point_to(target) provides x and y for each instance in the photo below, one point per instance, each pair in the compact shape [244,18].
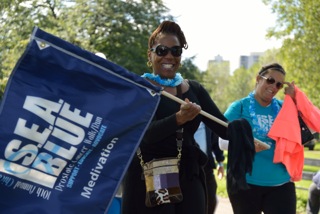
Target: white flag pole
[261,145]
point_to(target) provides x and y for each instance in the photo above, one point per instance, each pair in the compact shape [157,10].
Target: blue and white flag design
[70,123]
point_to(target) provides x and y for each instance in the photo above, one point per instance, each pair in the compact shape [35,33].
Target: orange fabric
[286,132]
[310,113]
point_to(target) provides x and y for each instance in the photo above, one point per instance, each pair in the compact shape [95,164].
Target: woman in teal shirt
[271,190]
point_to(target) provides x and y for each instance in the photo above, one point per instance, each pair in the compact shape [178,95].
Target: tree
[298,24]
[189,71]
[241,83]
[216,81]
[120,29]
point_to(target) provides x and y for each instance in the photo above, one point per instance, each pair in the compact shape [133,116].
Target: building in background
[218,66]
[215,80]
[248,61]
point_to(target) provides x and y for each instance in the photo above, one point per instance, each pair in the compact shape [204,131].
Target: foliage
[216,80]
[118,28]
[298,25]
[189,71]
[240,84]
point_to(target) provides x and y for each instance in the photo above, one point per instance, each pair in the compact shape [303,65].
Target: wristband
[220,164]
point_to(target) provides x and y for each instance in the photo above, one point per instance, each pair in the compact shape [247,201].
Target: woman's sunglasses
[271,80]
[162,50]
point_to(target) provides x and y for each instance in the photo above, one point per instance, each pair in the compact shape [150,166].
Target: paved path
[224,206]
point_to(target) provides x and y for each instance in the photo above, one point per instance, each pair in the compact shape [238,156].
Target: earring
[149,64]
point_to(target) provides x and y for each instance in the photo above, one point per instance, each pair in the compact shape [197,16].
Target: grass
[302,195]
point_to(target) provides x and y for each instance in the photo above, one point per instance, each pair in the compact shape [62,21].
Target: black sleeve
[161,129]
[218,153]
[208,105]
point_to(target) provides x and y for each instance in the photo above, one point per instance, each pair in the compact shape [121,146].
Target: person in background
[313,203]
[208,142]
[164,58]
[270,188]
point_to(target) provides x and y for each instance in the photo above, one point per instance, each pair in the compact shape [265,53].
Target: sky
[228,28]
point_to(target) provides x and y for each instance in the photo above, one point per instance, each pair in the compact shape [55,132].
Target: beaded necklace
[261,129]
[177,80]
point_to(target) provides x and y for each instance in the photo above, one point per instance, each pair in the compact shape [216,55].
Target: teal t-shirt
[264,171]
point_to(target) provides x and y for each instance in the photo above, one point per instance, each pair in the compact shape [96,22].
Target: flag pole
[261,144]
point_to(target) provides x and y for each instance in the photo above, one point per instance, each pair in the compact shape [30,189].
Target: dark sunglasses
[162,50]
[271,80]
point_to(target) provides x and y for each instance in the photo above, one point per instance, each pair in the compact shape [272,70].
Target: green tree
[298,25]
[241,83]
[189,71]
[120,29]
[216,81]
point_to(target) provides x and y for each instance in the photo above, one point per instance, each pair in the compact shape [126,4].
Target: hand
[220,172]
[260,146]
[188,111]
[290,90]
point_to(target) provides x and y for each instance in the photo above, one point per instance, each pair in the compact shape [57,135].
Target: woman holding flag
[160,141]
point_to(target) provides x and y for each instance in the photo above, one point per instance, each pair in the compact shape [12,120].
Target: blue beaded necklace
[177,80]
[261,129]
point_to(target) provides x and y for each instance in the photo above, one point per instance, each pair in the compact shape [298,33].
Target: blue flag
[70,123]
